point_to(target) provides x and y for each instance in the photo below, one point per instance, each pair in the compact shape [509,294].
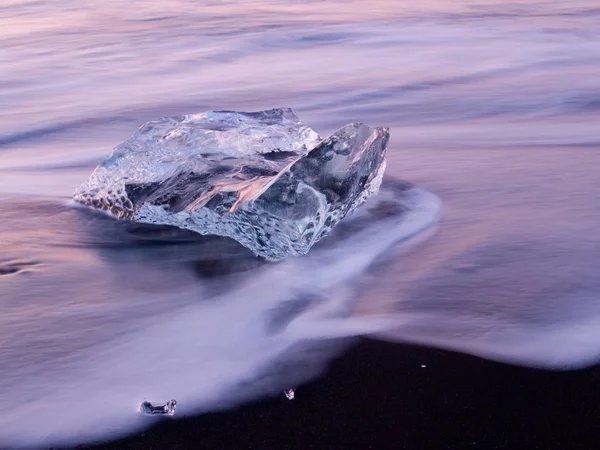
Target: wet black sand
[378,396]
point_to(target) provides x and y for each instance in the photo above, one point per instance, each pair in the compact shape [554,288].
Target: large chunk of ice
[262,178]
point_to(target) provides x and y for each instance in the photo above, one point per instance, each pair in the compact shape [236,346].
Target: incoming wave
[251,334]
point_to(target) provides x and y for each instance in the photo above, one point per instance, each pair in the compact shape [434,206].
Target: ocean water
[493,109]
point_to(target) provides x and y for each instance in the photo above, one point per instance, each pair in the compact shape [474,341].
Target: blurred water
[492,105]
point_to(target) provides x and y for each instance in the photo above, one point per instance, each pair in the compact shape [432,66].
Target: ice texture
[168,409]
[290,394]
[262,178]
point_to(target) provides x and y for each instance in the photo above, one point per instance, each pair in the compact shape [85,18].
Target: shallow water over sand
[492,106]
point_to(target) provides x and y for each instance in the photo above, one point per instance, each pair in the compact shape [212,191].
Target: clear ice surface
[168,409]
[262,178]
[290,394]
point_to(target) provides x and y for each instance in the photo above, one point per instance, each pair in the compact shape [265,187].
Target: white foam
[212,354]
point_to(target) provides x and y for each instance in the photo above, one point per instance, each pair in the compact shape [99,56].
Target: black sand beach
[381,395]
[493,109]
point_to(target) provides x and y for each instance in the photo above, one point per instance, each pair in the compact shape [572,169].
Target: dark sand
[378,396]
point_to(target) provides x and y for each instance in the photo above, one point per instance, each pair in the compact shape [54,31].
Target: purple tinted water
[493,106]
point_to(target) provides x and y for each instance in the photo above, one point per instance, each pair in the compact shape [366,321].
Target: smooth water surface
[493,106]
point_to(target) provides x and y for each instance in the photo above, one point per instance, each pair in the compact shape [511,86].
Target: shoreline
[378,395]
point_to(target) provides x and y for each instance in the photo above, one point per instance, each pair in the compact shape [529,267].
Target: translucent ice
[262,178]
[168,409]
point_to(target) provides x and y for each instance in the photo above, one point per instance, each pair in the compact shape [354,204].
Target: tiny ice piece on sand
[167,409]
[290,394]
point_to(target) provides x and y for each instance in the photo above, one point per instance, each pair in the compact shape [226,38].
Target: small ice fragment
[168,409]
[290,394]
[423,366]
